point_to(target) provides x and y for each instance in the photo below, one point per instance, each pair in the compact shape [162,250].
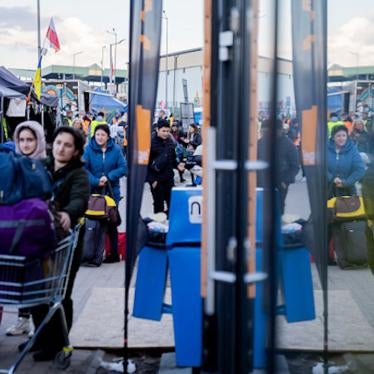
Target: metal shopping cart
[25,283]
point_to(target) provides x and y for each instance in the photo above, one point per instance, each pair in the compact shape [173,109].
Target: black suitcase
[94,242]
[350,244]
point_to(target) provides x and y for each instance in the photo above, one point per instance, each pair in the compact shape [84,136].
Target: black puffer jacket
[162,160]
[287,158]
[71,189]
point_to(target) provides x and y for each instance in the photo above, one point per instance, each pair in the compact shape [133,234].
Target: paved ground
[359,283]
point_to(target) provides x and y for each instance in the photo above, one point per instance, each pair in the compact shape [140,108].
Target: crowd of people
[78,165]
[88,155]
[69,197]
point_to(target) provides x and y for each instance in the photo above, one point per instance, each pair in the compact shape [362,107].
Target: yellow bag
[346,208]
[101,207]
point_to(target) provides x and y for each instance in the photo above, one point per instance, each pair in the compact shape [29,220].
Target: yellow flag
[37,83]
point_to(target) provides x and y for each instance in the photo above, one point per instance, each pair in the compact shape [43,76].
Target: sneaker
[23,326]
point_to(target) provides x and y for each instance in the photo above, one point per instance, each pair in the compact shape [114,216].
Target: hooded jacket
[37,128]
[346,164]
[110,163]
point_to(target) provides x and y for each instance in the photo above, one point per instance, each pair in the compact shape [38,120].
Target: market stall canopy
[9,80]
[105,102]
[9,93]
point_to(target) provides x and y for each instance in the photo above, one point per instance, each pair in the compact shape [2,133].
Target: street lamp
[165,17]
[75,54]
[102,65]
[115,58]
[175,69]
[357,54]
[114,32]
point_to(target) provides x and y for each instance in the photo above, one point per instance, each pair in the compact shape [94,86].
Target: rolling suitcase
[350,244]
[94,242]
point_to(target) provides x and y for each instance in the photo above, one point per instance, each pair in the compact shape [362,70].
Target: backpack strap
[21,224]
[17,236]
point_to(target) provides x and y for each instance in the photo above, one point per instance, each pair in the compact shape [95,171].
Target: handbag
[103,207]
[347,208]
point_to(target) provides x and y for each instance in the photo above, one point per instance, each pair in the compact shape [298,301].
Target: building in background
[181,75]
[180,82]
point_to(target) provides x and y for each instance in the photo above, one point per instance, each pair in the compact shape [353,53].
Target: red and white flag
[52,36]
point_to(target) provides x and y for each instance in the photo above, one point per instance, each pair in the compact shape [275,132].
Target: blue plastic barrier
[182,256]
[184,262]
[260,317]
[295,280]
[184,265]
[297,285]
[185,216]
[150,283]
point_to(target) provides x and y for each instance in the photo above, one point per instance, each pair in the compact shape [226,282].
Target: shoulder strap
[17,235]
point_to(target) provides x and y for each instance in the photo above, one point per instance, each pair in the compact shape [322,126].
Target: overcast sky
[82,26]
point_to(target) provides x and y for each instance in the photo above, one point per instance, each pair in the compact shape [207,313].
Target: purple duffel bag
[26,229]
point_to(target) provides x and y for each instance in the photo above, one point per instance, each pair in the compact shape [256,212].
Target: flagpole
[39,39]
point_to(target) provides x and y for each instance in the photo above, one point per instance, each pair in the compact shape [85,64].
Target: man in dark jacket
[70,195]
[162,161]
[287,165]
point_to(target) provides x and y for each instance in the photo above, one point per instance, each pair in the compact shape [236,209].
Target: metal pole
[175,69]
[102,66]
[167,55]
[42,116]
[73,65]
[356,54]
[75,54]
[115,60]
[39,39]
[167,58]
[111,64]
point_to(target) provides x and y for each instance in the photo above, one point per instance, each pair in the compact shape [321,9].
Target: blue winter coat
[346,164]
[110,163]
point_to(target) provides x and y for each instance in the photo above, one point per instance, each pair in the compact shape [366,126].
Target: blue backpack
[22,178]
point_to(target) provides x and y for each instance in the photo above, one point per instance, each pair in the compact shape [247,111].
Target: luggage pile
[348,244]
[101,211]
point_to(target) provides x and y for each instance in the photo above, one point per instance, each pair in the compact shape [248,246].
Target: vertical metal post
[111,64]
[42,115]
[75,54]
[175,70]
[102,66]
[39,39]
[166,57]
[115,60]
